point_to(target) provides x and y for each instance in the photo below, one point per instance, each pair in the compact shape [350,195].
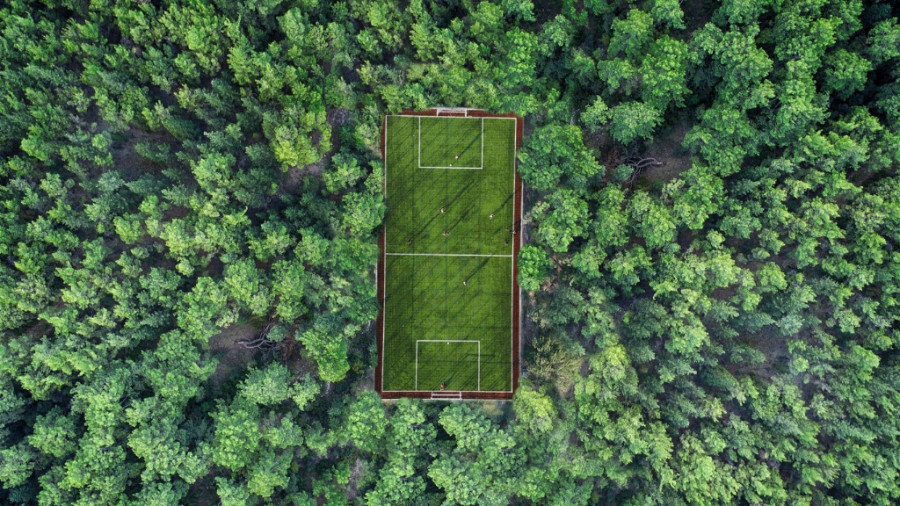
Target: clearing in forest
[447,282]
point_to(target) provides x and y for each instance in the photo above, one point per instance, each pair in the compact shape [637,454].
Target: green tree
[534,267]
[269,473]
[663,75]
[884,40]
[631,34]
[236,436]
[561,219]
[366,422]
[326,344]
[846,73]
[231,493]
[596,115]
[534,410]
[557,155]
[53,433]
[344,171]
[632,121]
[482,467]
[268,386]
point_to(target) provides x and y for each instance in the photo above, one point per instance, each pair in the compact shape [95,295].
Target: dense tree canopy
[190,200]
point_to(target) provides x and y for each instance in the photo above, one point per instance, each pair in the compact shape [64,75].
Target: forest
[190,205]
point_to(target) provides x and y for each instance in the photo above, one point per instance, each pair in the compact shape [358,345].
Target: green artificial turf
[449,304]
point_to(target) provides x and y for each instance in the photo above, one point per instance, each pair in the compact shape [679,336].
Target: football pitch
[449,245]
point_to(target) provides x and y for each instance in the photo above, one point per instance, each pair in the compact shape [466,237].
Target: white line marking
[442,255]
[445,117]
[512,275]
[462,391]
[384,259]
[446,341]
[451,167]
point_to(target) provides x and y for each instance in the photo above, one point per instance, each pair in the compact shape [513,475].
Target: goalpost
[454,110]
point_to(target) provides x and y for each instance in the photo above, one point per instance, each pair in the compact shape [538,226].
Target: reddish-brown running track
[517,244]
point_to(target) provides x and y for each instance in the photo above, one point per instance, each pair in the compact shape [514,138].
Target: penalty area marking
[451,167]
[448,341]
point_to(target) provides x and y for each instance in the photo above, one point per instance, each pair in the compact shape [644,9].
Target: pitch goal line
[419,161]
[447,341]
[490,118]
[445,255]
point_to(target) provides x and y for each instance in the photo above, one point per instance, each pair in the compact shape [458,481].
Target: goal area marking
[448,341]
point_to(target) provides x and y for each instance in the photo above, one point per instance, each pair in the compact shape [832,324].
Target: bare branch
[259,341]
